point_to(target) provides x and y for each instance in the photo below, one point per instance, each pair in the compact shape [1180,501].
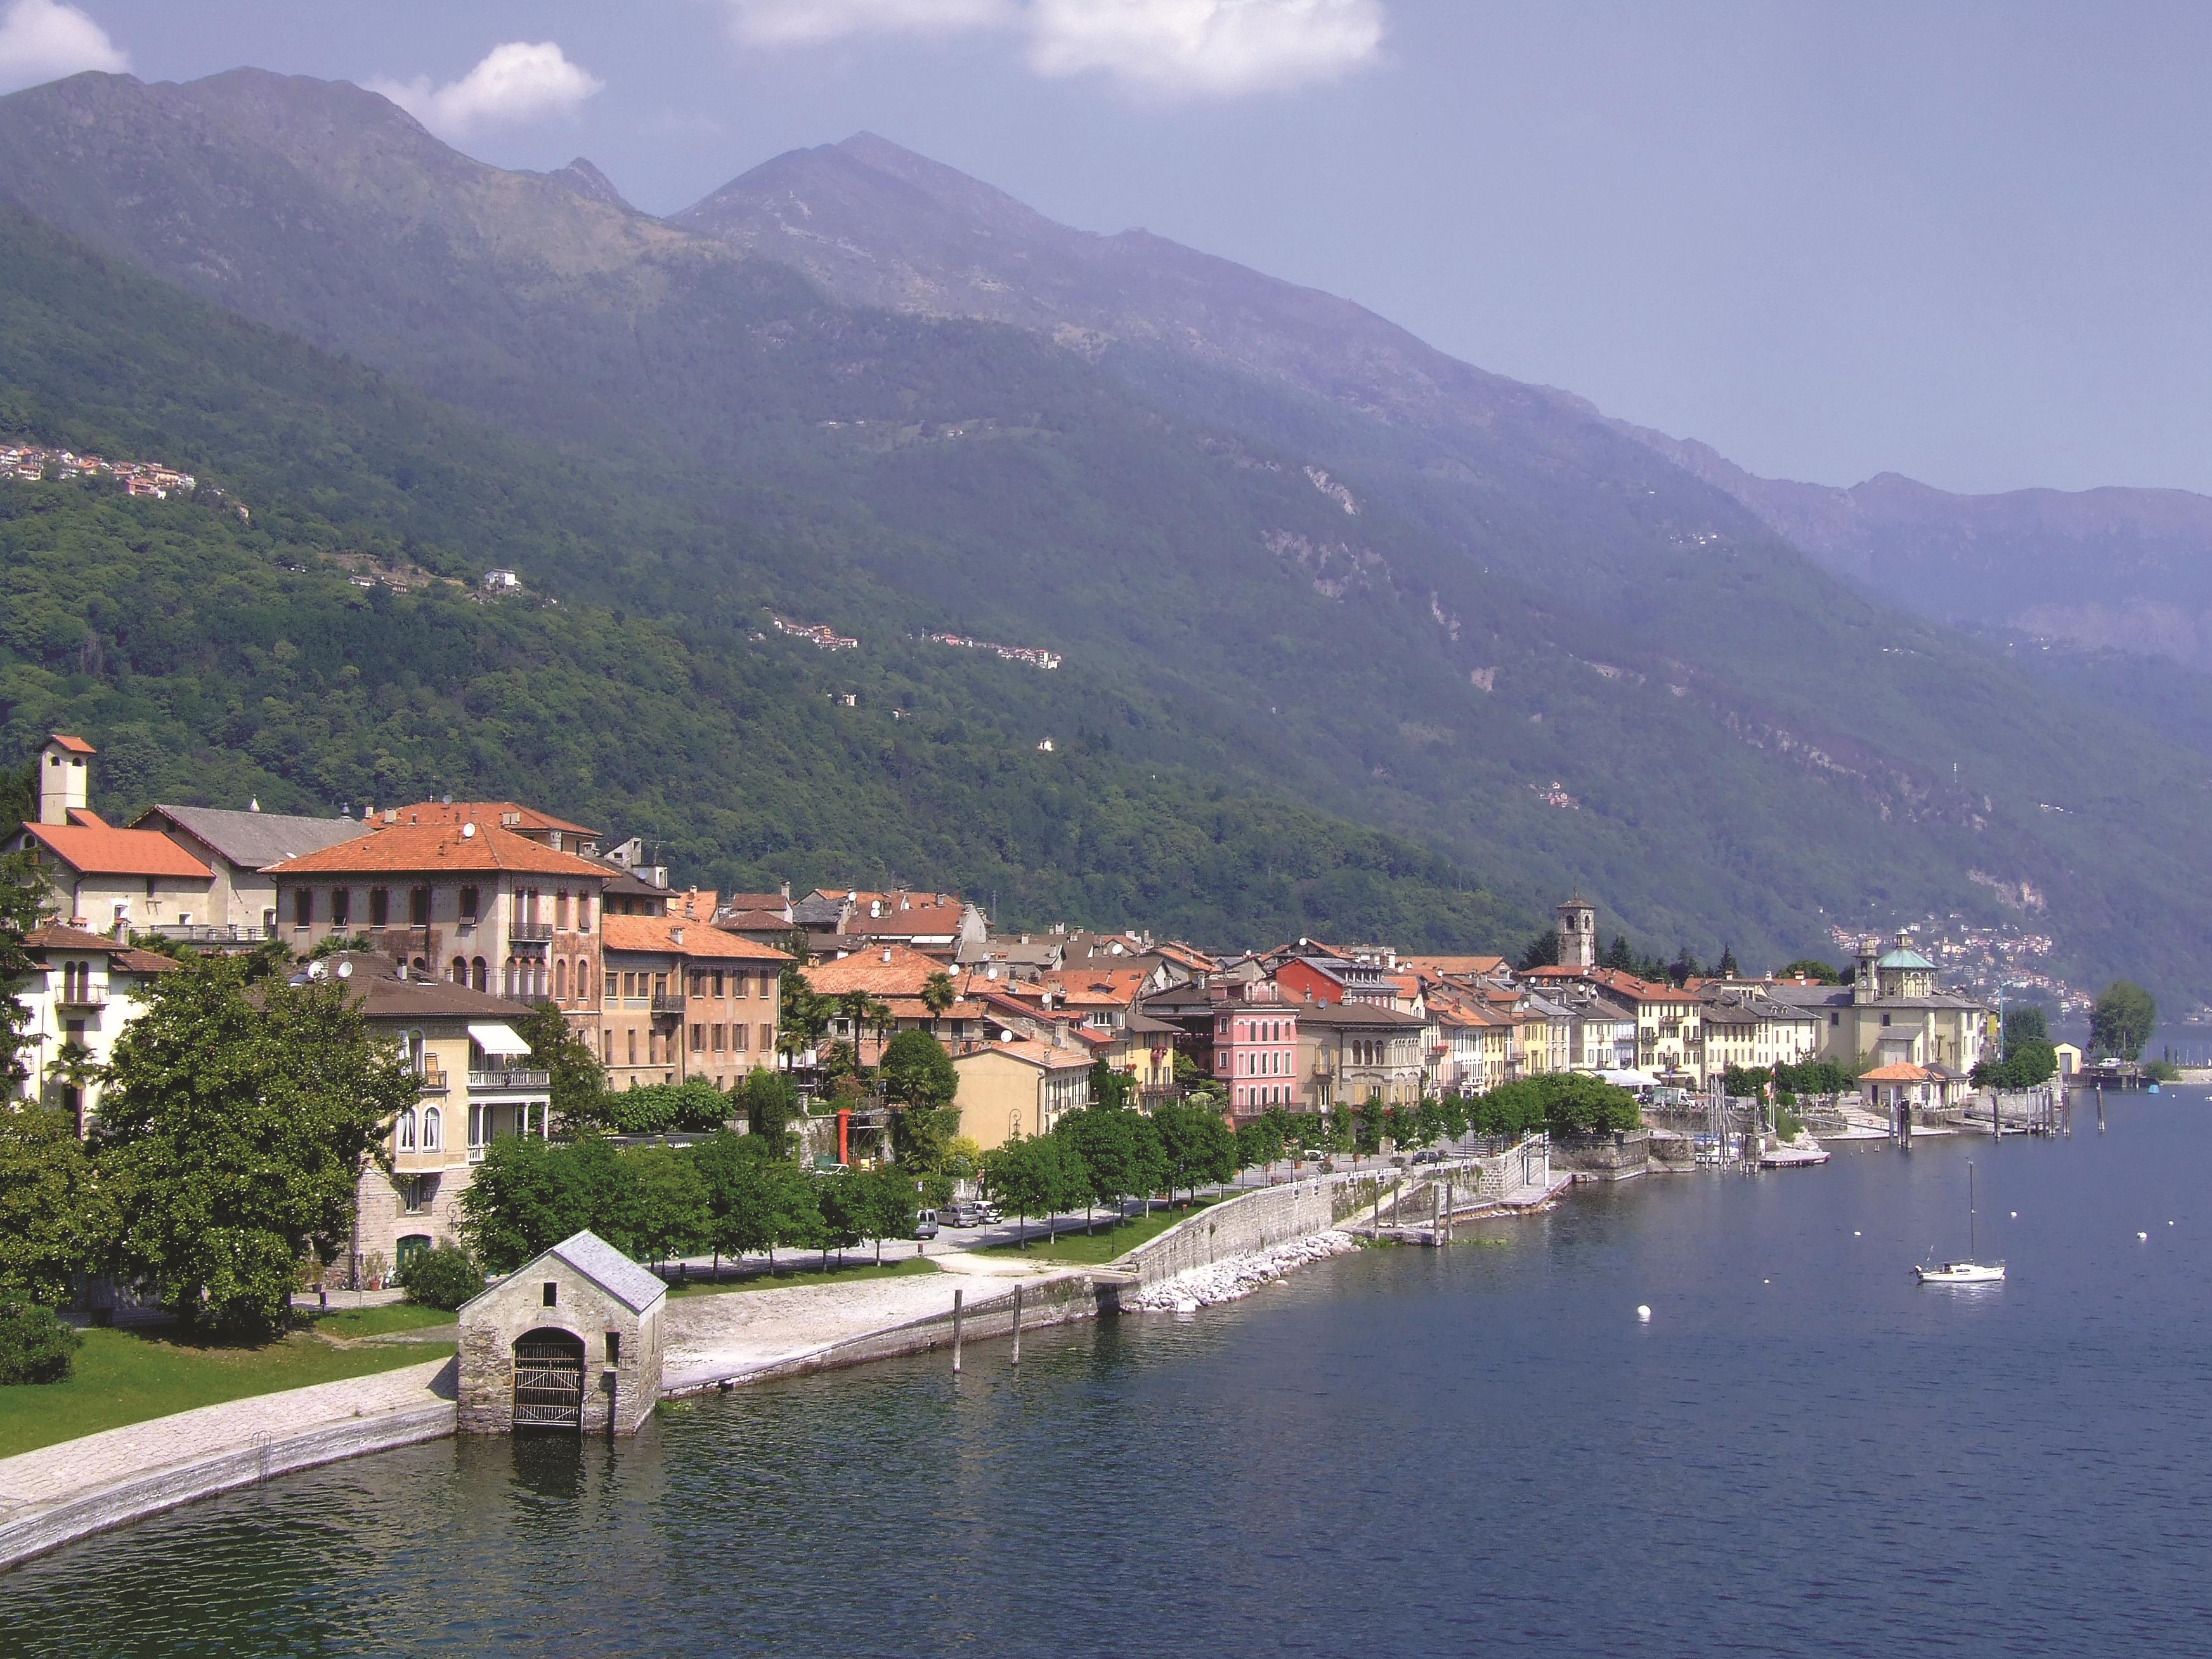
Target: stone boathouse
[571,1340]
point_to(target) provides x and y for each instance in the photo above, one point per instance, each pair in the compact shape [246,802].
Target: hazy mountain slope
[2115,568]
[1400,588]
[212,658]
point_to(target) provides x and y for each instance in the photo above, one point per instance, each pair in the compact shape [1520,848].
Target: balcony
[422,1161]
[668,1002]
[82,1002]
[433,1083]
[531,933]
[208,933]
[485,1082]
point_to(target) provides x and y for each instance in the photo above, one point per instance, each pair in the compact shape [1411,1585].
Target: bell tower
[1577,933]
[64,780]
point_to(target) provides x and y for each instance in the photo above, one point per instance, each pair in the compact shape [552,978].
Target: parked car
[1431,1155]
[925,1225]
[962,1212]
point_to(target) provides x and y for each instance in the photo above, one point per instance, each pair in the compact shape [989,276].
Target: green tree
[1809,968]
[2026,1022]
[443,1277]
[1542,951]
[578,1083]
[22,895]
[231,1137]
[1728,970]
[519,1200]
[1107,1143]
[790,1214]
[56,1219]
[804,1016]
[770,1102]
[35,1346]
[917,1071]
[1111,1089]
[672,1214]
[2121,1020]
[887,1205]
[843,1199]
[937,995]
[1036,1175]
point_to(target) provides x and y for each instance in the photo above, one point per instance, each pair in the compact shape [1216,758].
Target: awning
[499,1040]
[1631,1079]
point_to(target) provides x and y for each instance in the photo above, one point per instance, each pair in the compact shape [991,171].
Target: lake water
[1402,1451]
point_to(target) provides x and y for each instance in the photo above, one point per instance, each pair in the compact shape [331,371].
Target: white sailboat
[1969,1271]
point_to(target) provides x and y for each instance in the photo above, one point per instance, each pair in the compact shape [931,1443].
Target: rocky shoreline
[1239,1276]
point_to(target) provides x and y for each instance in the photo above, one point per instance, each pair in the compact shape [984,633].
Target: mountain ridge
[1442,603]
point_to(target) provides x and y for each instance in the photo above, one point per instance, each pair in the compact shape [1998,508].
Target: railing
[531,933]
[207,933]
[85,999]
[433,1083]
[515,1079]
[668,1002]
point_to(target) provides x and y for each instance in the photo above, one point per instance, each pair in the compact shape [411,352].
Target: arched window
[480,975]
[421,969]
[457,971]
[430,1126]
[538,979]
[407,1130]
[561,971]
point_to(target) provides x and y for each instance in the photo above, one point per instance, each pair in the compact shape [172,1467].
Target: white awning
[1631,1079]
[499,1040]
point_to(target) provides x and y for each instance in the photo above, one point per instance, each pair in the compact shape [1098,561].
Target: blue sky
[1962,241]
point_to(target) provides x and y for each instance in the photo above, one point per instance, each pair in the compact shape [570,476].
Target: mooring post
[1018,1324]
[2101,1108]
[1436,1213]
[956,1296]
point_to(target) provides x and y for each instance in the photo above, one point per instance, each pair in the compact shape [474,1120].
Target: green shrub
[35,1346]
[443,1278]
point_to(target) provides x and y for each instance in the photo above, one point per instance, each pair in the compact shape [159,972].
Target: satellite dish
[345,970]
[319,970]
[468,830]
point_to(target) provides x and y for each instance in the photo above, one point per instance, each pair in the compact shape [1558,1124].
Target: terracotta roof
[438,849]
[492,813]
[699,939]
[1035,1052]
[75,745]
[1475,965]
[1100,986]
[904,975]
[55,936]
[775,902]
[98,848]
[907,923]
[1903,1072]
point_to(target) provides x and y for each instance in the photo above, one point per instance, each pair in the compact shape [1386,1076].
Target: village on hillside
[455,922]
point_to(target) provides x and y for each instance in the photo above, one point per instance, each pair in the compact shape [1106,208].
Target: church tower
[1577,933]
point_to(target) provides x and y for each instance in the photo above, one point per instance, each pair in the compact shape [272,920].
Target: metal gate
[549,1381]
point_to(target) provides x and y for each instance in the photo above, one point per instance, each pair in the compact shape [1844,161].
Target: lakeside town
[494,943]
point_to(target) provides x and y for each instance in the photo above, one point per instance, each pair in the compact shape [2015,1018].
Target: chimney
[887,953]
[64,778]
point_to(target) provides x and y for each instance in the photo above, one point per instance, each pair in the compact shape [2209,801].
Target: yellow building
[1022,1087]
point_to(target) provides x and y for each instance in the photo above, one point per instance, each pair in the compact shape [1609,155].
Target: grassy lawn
[1096,1250]
[783,1279]
[380,1321]
[125,1377]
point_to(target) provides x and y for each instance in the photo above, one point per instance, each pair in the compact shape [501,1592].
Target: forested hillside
[214,660]
[1337,570]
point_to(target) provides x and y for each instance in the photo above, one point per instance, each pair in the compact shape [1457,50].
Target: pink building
[1255,1049]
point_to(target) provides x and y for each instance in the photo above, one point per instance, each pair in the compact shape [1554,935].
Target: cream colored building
[1023,1087]
[683,1000]
[239,849]
[101,878]
[84,991]
[474,1085]
[1893,1013]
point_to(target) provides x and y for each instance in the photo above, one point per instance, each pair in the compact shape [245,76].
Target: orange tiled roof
[494,812]
[75,745]
[1473,965]
[1035,1052]
[438,849]
[93,846]
[1099,987]
[620,932]
[1903,1072]
[866,970]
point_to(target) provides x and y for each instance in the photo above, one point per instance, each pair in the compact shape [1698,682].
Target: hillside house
[99,877]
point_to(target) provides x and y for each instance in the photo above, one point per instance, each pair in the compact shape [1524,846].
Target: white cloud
[809,23]
[43,40]
[1206,47]
[1192,47]
[517,81]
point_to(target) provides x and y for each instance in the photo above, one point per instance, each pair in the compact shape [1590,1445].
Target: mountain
[2104,569]
[1270,533]
[336,647]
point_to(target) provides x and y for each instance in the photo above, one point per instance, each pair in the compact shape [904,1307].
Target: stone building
[571,1340]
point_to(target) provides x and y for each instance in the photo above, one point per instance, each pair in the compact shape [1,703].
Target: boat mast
[1969,1209]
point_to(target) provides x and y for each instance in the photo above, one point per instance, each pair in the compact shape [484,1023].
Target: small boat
[1969,1271]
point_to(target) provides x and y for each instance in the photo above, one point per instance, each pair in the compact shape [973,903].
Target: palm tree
[938,993]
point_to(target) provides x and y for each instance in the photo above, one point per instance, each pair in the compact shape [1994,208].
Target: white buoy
[1766,1281]
[1855,1234]
[2142,1235]
[1643,1312]
[2015,1215]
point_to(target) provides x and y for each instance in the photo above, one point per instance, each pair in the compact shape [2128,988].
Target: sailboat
[1969,1271]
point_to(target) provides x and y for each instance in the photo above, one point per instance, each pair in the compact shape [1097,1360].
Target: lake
[1400,1451]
